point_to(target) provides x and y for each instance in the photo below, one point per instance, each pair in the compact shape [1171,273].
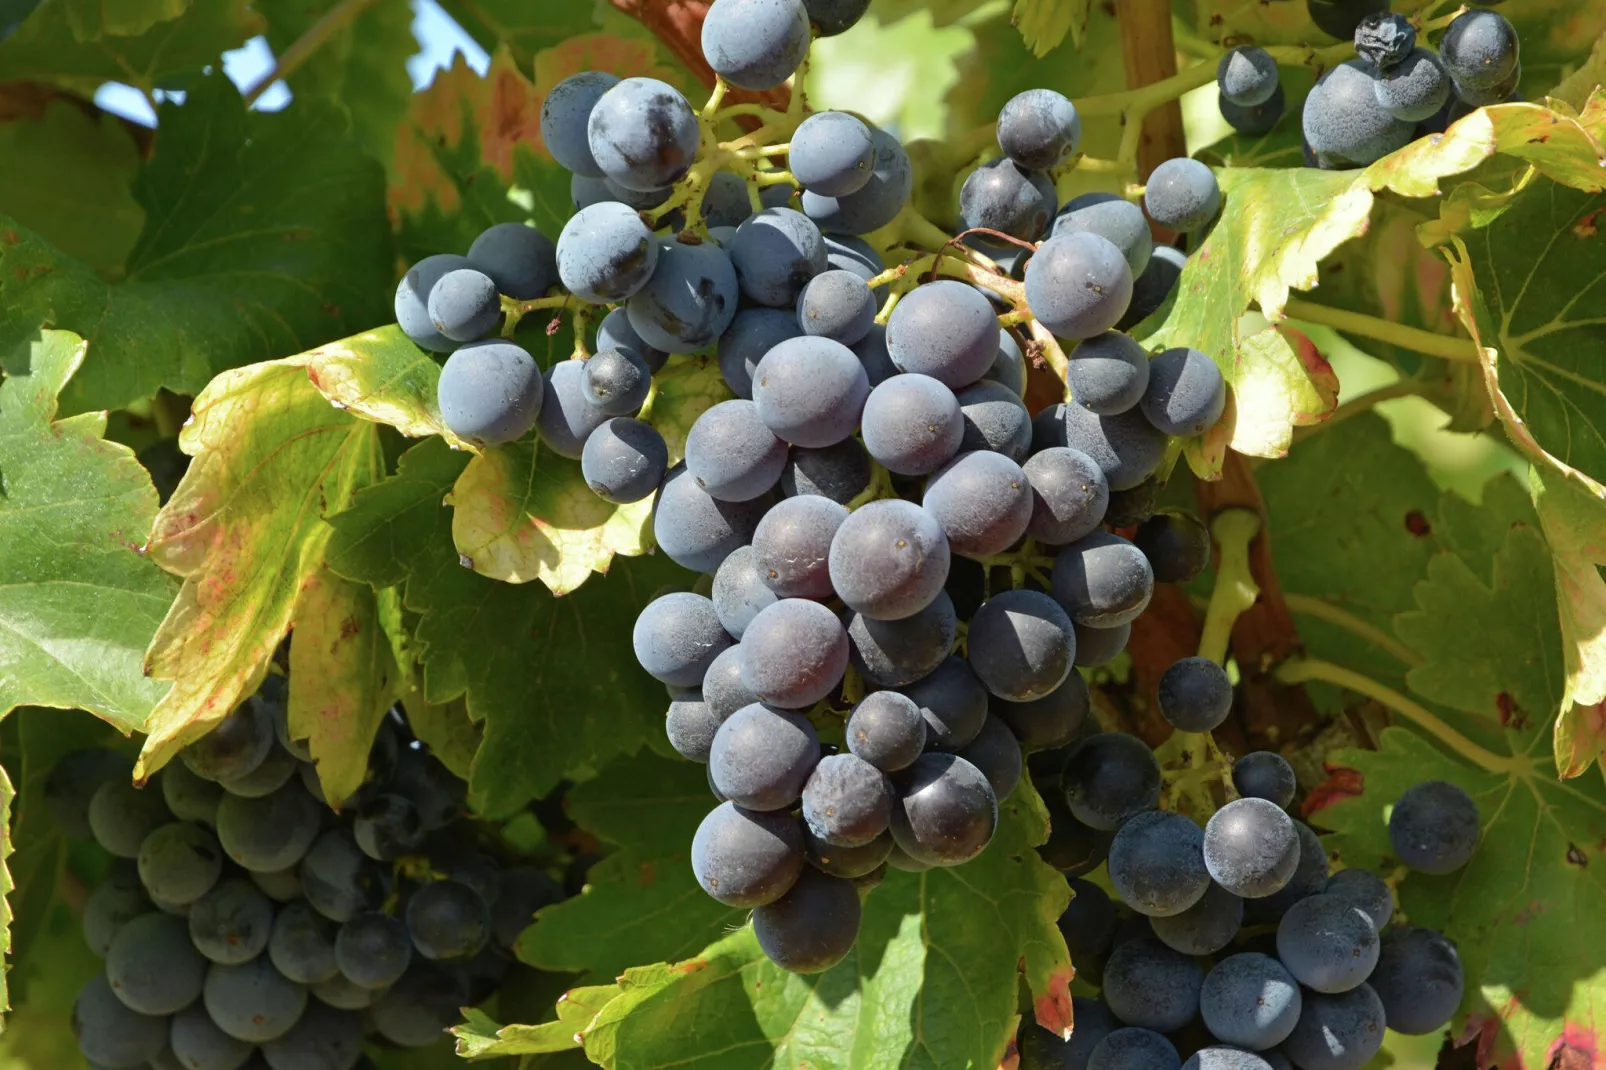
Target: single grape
[115,902]
[153,967]
[480,872]
[793,653]
[1078,284]
[1050,721]
[269,833]
[387,826]
[1151,986]
[1337,1031]
[1156,863]
[1479,49]
[1434,827]
[1108,373]
[849,253]
[121,816]
[996,420]
[232,923]
[1000,195]
[1021,645]
[953,703]
[1114,219]
[731,454]
[564,117]
[697,531]
[1073,848]
[690,300]
[810,391]
[274,772]
[1038,129]
[564,416]
[1133,1049]
[725,203]
[1247,76]
[1250,1000]
[1102,580]
[373,950]
[813,926]
[889,559]
[753,333]
[847,862]
[1327,943]
[615,332]
[776,253]
[1009,367]
[1265,775]
[946,330]
[1221,1057]
[525,890]
[833,154]
[840,472]
[1205,927]
[179,862]
[1108,778]
[1185,394]
[520,260]
[338,879]
[1069,495]
[447,920]
[873,205]
[490,392]
[1154,286]
[838,305]
[762,757]
[463,305]
[1195,695]
[340,993]
[109,1033]
[420,1007]
[1042,1050]
[1251,847]
[605,253]
[1366,892]
[677,637]
[1418,979]
[624,460]
[755,44]
[1413,89]
[196,1043]
[1133,506]
[585,191]
[739,592]
[234,746]
[1126,447]
[1384,39]
[1252,121]
[323,1039]
[73,781]
[831,17]
[887,730]
[1343,122]
[691,724]
[1182,194]
[412,308]
[997,754]
[253,1002]
[847,802]
[1088,924]
[893,653]
[945,812]
[642,134]
[1176,544]
[982,500]
[746,858]
[913,424]
[1100,646]
[301,945]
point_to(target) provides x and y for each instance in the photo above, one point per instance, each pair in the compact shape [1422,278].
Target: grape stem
[1323,610]
[1462,350]
[1304,670]
[1235,590]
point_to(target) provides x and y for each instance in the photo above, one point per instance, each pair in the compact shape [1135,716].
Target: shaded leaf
[522,28]
[93,19]
[447,732]
[1573,521]
[78,599]
[1043,24]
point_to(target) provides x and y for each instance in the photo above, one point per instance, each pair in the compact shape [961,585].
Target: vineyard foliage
[214,440]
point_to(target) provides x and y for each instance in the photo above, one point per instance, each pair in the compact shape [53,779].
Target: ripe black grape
[1418,980]
[1328,944]
[1434,827]
[847,802]
[1195,695]
[833,154]
[746,858]
[1021,645]
[447,920]
[945,812]
[762,757]
[813,926]
[1108,778]
[1149,985]
[894,653]
[1157,864]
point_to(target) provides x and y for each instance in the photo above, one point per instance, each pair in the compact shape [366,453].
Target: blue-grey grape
[606,253]
[388,826]
[837,304]
[889,559]
[115,902]
[274,772]
[833,154]
[1088,924]
[982,500]
[1102,580]
[269,833]
[776,252]
[418,1009]
[1250,1000]
[1366,892]
[953,703]
[1479,49]
[1047,722]
[677,636]
[1108,373]
[840,472]
[832,17]
[1414,89]
[253,1002]
[624,460]
[946,330]
[1133,1049]
[1384,39]
[1109,777]
[1078,284]
[1264,774]
[1251,848]
[792,546]
[323,1039]
[1151,289]
[232,923]
[1009,367]
[873,205]
[1343,122]
[1100,646]
[198,1044]
[996,753]
[519,259]
[847,802]
[121,816]
[1000,195]
[746,858]
[463,305]
[1310,876]
[755,44]
[1149,985]
[412,302]
[1326,943]
[731,454]
[697,531]
[585,191]
[1340,17]
[810,391]
[1156,863]
[739,592]
[152,965]
[813,926]
[1434,827]
[302,945]
[1255,119]
[1069,495]
[642,134]
[995,419]
[725,202]
[1247,76]
[1195,694]
[1339,1031]
[1182,194]
[564,117]
[793,653]
[691,724]
[615,332]
[1134,505]
[179,862]
[373,949]
[1418,979]
[945,811]
[447,920]
[872,353]
[690,299]
[565,417]
[851,253]
[887,730]
[1205,927]
[1113,218]
[338,879]
[1222,1057]
[893,653]
[73,781]
[490,392]
[1186,393]
[762,757]
[1176,544]
[753,333]
[109,1033]
[341,993]
[848,862]
[234,746]
[1038,129]
[912,424]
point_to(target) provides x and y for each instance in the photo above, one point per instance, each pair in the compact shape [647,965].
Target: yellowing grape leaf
[382,376]
[1574,523]
[79,601]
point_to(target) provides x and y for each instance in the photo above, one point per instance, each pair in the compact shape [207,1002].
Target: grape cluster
[1395,91]
[1236,949]
[244,924]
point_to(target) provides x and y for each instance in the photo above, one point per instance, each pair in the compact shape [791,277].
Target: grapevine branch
[1444,346]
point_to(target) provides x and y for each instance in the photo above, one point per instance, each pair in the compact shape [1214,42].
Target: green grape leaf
[51,46]
[447,731]
[479,1037]
[649,807]
[66,176]
[554,682]
[1524,912]
[522,28]
[265,234]
[93,19]
[1043,24]
[931,982]
[79,601]
[245,530]
[362,67]
[1573,521]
